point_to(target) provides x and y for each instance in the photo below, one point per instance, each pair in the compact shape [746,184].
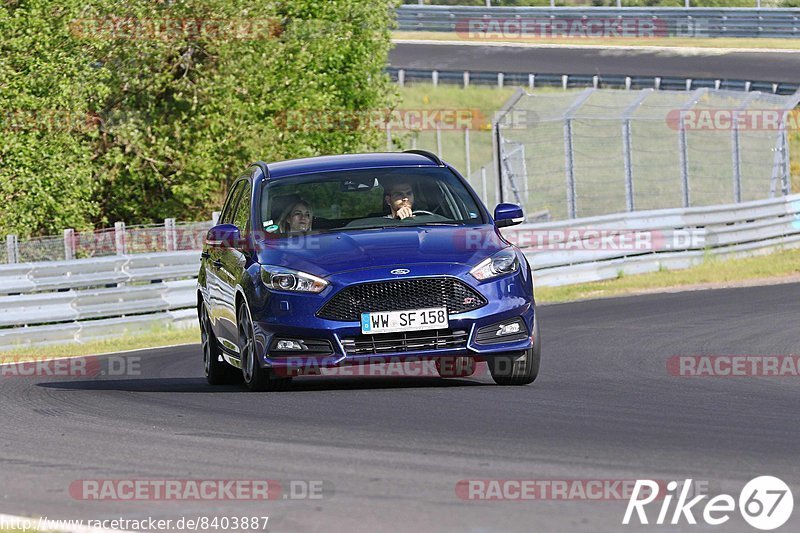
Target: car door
[218,291]
[233,261]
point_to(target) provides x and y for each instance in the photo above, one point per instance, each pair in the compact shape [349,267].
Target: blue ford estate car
[355,259]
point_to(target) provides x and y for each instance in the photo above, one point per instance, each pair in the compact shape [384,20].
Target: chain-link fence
[141,239]
[596,151]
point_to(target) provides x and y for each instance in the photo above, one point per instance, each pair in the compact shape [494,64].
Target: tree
[177,97]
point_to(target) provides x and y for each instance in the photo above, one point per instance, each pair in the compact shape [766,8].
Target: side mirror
[508,215]
[223,236]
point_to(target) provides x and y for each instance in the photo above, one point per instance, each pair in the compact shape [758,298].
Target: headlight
[284,279]
[503,262]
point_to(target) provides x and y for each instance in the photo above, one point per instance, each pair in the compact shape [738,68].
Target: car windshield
[367,199]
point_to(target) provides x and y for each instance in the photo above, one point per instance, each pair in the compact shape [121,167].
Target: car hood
[331,253]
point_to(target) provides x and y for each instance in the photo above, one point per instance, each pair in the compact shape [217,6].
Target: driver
[399,196]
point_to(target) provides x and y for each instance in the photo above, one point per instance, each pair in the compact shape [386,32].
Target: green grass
[691,42]
[712,272]
[155,337]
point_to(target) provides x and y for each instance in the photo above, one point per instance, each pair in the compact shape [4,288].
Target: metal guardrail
[573,81]
[93,299]
[669,21]
[573,251]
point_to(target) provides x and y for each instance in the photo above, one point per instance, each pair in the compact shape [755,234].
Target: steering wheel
[422,212]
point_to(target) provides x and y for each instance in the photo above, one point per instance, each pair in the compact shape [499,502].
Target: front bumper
[281,315]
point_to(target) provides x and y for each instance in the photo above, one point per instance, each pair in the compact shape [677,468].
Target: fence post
[569,153]
[215,217]
[170,235]
[684,160]
[466,153]
[735,159]
[484,190]
[12,249]
[119,237]
[466,79]
[435,78]
[682,144]
[787,182]
[401,77]
[531,81]
[626,155]
[69,244]
[569,167]
[439,140]
[500,78]
[627,159]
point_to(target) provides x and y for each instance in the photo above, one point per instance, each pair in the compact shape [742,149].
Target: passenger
[296,218]
[399,196]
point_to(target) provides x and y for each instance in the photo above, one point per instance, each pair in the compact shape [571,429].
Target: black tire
[256,378]
[217,372]
[518,368]
[455,367]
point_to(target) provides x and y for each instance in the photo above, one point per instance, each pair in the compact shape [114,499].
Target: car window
[229,208]
[360,199]
[241,218]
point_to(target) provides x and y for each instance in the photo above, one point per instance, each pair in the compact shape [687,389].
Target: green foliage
[161,118]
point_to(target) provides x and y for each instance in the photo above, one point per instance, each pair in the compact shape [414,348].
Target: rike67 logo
[765,503]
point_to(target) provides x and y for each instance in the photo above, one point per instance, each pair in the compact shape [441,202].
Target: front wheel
[518,368]
[255,377]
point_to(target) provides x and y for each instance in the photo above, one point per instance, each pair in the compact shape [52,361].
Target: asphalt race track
[705,63]
[391,450]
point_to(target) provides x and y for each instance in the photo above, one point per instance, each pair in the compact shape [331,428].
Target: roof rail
[264,168]
[430,155]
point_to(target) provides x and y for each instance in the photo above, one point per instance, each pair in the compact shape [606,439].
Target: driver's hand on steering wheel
[404,212]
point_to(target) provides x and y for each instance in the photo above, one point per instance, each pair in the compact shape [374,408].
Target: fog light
[508,329]
[289,345]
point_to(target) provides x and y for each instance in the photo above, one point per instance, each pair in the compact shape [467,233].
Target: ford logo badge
[399,271]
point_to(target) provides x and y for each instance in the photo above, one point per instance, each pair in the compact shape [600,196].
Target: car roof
[330,163]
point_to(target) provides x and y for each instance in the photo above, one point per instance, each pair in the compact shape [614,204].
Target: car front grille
[439,339]
[401,295]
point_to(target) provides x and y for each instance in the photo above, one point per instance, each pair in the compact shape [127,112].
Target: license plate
[396,321]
